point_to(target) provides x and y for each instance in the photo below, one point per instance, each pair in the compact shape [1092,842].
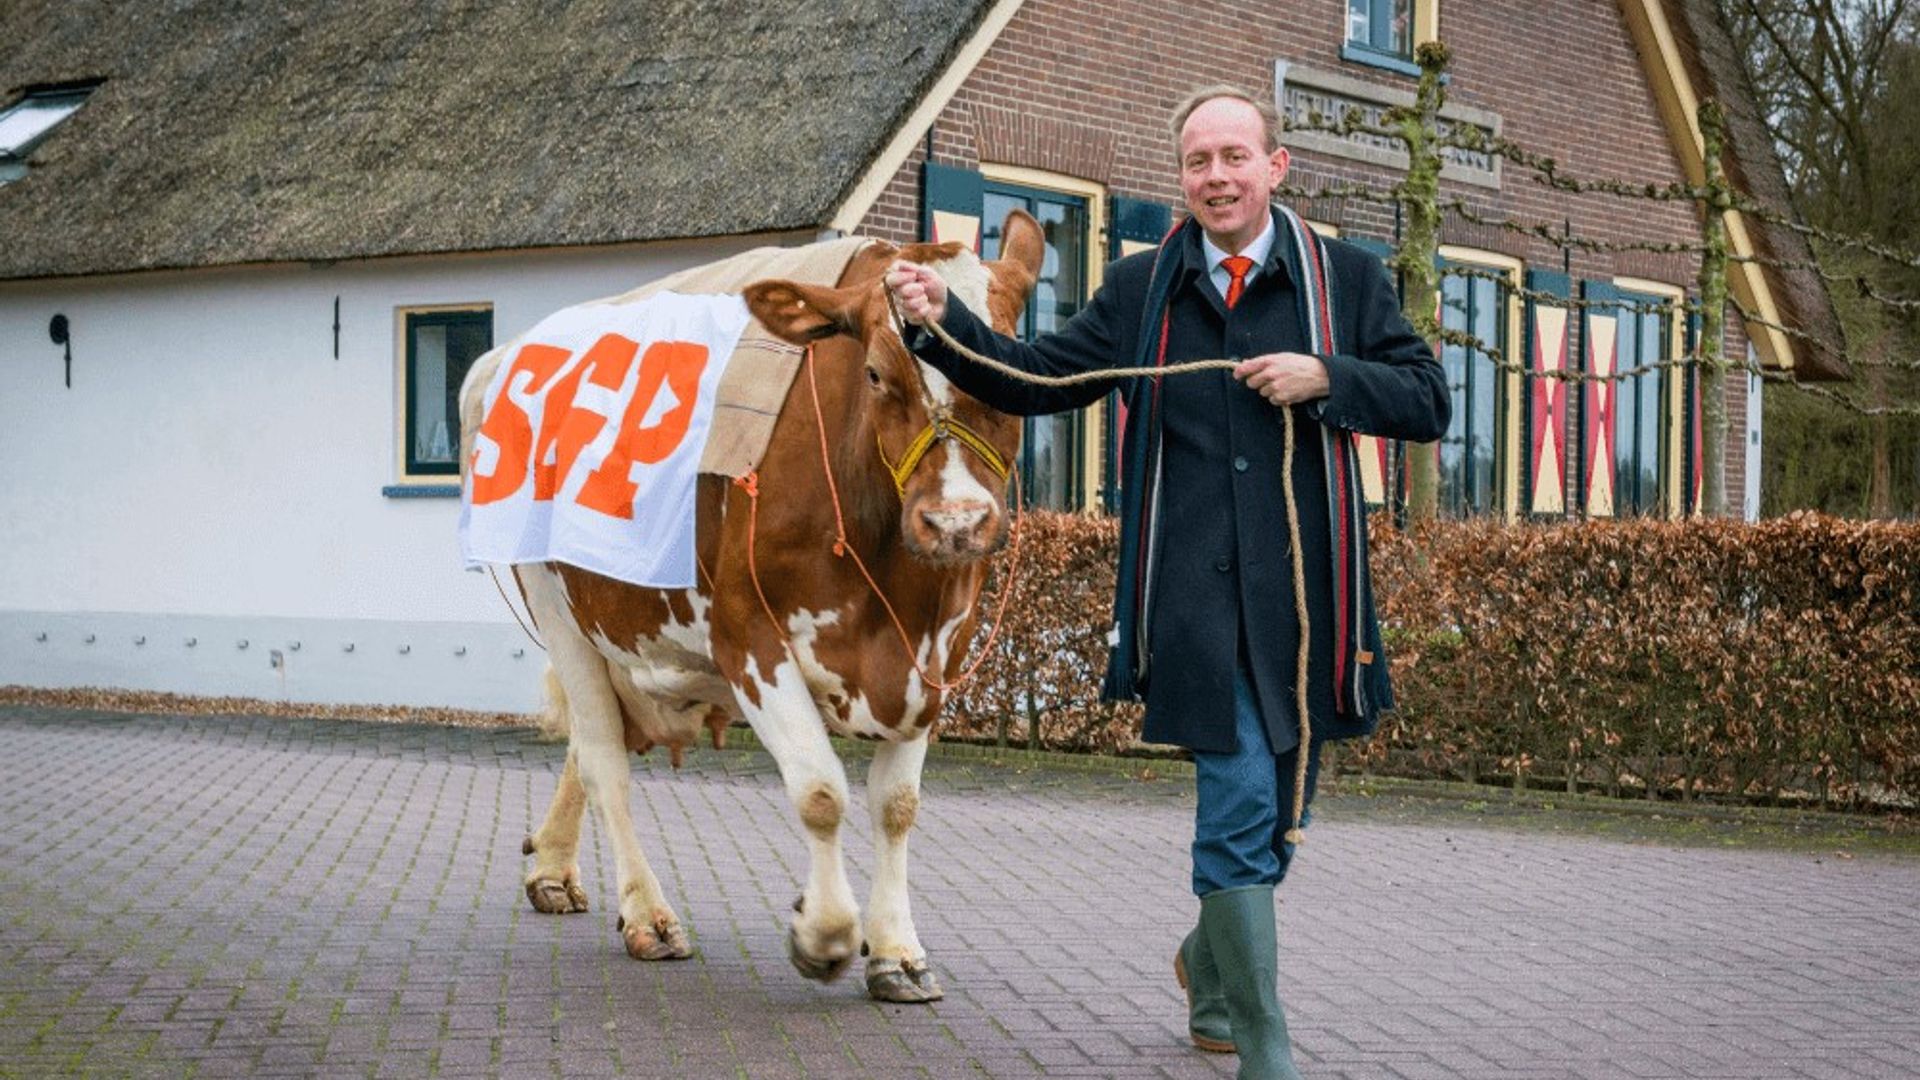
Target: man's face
[1226,173]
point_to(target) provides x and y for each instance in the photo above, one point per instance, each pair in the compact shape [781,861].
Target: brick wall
[1086,89]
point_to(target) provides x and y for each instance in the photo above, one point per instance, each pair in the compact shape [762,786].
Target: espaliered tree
[1419,197]
[1715,201]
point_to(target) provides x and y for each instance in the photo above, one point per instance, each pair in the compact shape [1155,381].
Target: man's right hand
[921,293]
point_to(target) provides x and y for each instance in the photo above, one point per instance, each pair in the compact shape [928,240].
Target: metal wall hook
[61,334]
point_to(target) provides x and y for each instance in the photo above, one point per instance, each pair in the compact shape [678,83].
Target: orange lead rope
[750,483]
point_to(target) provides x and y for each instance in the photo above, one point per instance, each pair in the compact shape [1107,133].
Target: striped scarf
[1140,533]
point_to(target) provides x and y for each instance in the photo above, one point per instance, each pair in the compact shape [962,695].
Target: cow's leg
[647,923]
[554,882]
[825,935]
[896,965]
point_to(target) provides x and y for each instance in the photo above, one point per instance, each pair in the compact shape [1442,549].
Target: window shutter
[1543,423]
[951,201]
[1379,249]
[1376,454]
[1692,471]
[1137,225]
[1599,355]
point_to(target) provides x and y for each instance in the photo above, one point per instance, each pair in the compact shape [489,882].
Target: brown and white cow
[635,667]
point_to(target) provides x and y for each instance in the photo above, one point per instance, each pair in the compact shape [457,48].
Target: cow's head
[941,452]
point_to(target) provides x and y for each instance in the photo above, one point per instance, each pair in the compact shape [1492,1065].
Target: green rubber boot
[1206,1005]
[1239,927]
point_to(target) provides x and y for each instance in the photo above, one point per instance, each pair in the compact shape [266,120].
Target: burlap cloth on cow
[763,366]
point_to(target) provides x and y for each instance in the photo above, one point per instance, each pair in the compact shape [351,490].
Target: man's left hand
[1285,378]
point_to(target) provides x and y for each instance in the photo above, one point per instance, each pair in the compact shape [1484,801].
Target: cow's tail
[473,402]
[553,715]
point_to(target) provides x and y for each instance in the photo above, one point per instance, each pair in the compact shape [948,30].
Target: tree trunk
[1419,248]
[1879,440]
[1713,308]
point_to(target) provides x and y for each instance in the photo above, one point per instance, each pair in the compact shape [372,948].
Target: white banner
[590,446]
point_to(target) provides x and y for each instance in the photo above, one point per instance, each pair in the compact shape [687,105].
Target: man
[1206,622]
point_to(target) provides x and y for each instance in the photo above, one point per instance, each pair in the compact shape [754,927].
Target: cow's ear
[928,254]
[1022,243]
[805,313]
[1022,248]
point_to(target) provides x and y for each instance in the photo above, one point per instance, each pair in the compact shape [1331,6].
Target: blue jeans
[1246,804]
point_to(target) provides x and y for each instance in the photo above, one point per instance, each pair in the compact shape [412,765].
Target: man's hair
[1269,116]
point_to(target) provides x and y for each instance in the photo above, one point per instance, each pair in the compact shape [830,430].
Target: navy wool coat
[1222,595]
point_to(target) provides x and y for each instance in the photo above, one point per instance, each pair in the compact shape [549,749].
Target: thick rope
[1294,834]
[1083,377]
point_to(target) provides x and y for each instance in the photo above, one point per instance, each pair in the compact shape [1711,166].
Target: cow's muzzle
[955,531]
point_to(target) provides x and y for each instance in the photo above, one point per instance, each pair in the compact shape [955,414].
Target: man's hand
[1285,378]
[921,292]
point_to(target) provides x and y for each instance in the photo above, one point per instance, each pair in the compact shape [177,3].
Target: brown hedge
[1774,661]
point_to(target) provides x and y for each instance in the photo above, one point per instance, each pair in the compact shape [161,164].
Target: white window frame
[1512,395]
[1673,434]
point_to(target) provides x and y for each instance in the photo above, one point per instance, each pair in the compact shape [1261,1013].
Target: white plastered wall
[215,476]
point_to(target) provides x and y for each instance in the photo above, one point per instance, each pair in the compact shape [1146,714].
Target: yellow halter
[943,427]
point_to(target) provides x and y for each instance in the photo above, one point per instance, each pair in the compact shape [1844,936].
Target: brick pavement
[246,897]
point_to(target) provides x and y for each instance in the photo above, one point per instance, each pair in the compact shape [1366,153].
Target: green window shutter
[1137,225]
[1379,479]
[1133,225]
[1693,438]
[950,203]
[1379,249]
[1544,422]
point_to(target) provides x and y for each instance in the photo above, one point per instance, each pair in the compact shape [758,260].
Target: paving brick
[367,915]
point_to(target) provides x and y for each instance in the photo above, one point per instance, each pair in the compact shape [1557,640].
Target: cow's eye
[873,376]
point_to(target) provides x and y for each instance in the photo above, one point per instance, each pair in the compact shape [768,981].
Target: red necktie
[1237,266]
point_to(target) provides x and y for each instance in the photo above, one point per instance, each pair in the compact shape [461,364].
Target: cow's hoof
[551,896]
[904,982]
[664,939]
[819,969]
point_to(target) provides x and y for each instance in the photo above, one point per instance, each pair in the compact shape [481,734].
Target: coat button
[1223,564]
[1239,464]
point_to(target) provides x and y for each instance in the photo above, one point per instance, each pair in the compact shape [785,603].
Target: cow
[784,631]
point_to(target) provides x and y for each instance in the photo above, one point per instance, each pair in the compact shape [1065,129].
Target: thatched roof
[1753,166]
[231,132]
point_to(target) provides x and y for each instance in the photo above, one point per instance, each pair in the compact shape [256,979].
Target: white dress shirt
[1258,251]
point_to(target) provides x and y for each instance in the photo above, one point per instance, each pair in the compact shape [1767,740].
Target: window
[28,121]
[439,345]
[1477,299]
[1643,435]
[1382,25]
[1052,456]
[1383,33]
